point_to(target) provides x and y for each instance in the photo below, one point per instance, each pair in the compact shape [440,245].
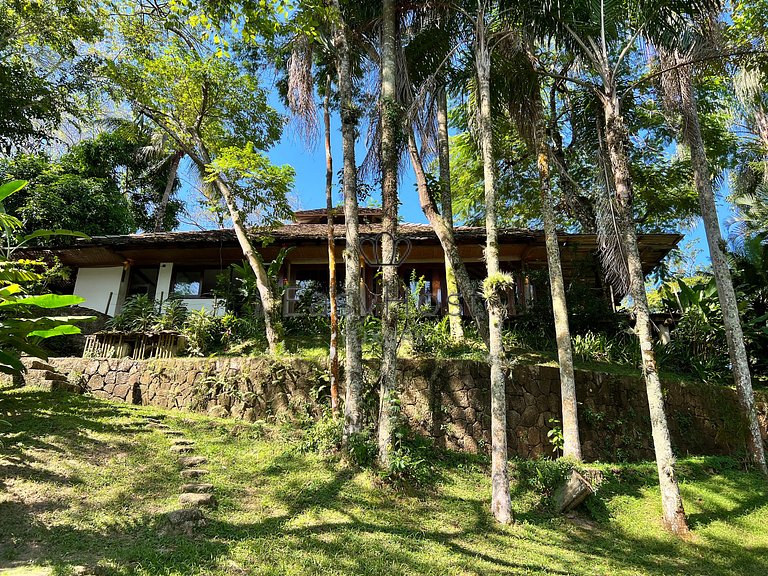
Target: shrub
[139,314]
[411,454]
[324,436]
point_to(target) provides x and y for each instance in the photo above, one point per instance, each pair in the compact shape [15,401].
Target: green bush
[543,477]
[411,455]
[324,436]
[139,314]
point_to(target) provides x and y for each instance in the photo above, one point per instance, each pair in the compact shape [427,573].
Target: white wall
[207,303]
[96,285]
[164,281]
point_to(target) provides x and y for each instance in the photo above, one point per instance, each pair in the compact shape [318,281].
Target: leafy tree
[44,67]
[180,78]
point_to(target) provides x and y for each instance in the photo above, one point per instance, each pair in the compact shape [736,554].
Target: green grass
[83,484]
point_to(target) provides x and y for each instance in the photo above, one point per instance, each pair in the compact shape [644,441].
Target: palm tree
[496,282]
[678,86]
[390,120]
[353,407]
[569,405]
[603,35]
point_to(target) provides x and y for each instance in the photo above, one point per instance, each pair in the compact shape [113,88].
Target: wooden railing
[137,345]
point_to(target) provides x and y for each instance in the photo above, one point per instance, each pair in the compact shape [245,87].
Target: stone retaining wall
[446,399]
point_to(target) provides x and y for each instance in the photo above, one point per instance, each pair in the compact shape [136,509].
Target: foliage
[555,436]
[324,436]
[100,186]
[24,320]
[141,314]
[209,334]
[543,477]
[698,342]
[411,455]
[46,71]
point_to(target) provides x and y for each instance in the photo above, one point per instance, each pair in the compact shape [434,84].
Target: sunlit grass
[83,484]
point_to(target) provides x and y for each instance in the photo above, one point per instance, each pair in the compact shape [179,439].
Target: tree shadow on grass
[324,519]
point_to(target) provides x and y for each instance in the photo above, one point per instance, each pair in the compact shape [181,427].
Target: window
[194,282]
[143,281]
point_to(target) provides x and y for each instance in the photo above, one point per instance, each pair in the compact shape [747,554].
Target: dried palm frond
[301,90]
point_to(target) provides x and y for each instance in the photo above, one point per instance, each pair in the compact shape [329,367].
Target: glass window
[209,281]
[143,281]
[187,283]
[194,282]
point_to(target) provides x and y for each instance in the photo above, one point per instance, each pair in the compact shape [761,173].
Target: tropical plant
[24,321]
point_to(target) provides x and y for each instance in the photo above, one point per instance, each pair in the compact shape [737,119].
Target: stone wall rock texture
[445,399]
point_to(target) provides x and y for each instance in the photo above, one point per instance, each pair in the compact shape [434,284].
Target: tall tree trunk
[271,305]
[173,169]
[448,243]
[725,291]
[571,445]
[333,349]
[446,210]
[389,111]
[353,369]
[500,500]
[616,139]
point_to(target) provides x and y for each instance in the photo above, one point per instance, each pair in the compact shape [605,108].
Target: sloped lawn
[85,487]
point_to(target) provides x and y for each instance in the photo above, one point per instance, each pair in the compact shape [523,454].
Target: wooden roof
[220,247]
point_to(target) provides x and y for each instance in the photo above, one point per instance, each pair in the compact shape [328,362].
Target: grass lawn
[84,484]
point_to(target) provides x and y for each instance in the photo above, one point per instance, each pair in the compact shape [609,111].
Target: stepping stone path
[157,426]
[186,520]
[199,488]
[193,495]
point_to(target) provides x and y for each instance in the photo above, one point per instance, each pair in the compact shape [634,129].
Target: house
[186,264]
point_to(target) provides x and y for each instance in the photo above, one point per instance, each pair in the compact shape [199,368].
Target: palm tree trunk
[500,500]
[163,206]
[390,284]
[271,305]
[446,210]
[333,349]
[448,243]
[725,291]
[353,407]
[616,138]
[571,445]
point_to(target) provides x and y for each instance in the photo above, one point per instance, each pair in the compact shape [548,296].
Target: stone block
[193,473]
[197,499]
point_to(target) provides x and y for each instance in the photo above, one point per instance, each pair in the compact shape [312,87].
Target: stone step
[40,365]
[157,426]
[195,499]
[192,461]
[185,515]
[193,473]
[183,442]
[183,449]
[52,376]
[168,432]
[199,488]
